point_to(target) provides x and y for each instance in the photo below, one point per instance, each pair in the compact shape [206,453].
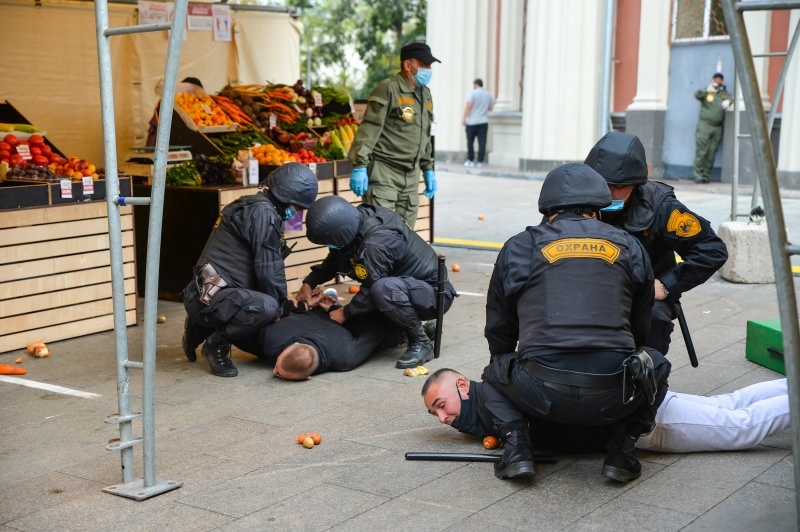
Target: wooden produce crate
[55,273]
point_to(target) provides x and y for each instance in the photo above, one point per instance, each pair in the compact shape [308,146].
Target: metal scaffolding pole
[781,249]
[148,485]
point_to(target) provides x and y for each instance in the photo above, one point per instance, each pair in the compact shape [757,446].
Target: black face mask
[468,421]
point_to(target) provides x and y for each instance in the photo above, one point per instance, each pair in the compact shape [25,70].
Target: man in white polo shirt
[476,119]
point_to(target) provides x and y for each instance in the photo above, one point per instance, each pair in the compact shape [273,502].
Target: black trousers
[479,131]
[408,301]
[583,407]
[661,326]
[234,312]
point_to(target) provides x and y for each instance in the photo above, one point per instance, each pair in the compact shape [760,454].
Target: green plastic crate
[765,344]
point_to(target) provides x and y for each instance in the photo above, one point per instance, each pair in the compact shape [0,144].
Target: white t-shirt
[482,103]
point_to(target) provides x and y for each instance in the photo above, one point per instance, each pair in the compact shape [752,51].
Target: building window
[698,20]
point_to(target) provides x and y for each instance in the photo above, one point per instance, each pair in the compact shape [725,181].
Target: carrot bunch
[231,109]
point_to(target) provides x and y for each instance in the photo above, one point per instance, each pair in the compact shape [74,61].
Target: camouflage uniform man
[393,142]
[713,102]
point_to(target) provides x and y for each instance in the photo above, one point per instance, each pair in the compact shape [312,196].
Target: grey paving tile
[318,508]
[561,499]
[632,515]
[704,378]
[42,492]
[781,474]
[700,481]
[404,515]
[753,507]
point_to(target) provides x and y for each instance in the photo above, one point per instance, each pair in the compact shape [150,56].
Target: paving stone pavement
[231,442]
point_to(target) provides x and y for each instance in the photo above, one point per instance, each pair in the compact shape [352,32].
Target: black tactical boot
[419,350]
[217,353]
[620,463]
[193,335]
[517,457]
[430,329]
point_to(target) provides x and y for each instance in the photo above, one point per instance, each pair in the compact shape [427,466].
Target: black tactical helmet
[293,184]
[332,221]
[620,159]
[573,185]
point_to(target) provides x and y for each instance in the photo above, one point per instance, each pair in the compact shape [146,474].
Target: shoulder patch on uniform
[683,224]
[219,221]
[430,106]
[581,248]
[710,97]
[403,100]
[360,271]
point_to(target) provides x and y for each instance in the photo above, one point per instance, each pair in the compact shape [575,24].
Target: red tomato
[5,154]
[54,158]
[16,158]
[5,146]
[22,143]
[11,140]
[36,150]
[36,140]
[40,160]
[46,150]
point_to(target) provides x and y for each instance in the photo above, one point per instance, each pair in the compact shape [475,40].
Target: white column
[562,80]
[459,35]
[652,80]
[510,56]
[789,155]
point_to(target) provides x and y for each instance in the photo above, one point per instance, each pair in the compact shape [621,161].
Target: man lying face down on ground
[308,342]
[685,423]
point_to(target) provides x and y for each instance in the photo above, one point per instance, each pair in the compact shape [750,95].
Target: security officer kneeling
[396,268]
[568,305]
[239,283]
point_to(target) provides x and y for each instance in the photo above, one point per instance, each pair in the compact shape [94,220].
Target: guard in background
[397,269]
[239,282]
[714,100]
[393,142]
[649,211]
[568,307]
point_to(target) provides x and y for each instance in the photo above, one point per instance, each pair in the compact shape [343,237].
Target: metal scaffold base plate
[137,491]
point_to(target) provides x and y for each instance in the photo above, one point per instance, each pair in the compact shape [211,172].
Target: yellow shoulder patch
[219,221]
[683,224]
[402,100]
[360,271]
[430,106]
[581,248]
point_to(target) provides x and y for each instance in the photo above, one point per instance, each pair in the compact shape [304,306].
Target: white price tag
[207,109]
[24,151]
[313,167]
[273,121]
[66,188]
[252,172]
[433,129]
[317,99]
[88,185]
[352,106]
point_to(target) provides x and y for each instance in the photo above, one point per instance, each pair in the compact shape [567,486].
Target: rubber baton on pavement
[473,457]
[439,305]
[687,338]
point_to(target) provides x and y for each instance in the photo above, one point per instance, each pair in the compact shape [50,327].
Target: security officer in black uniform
[568,305]
[396,268]
[239,282]
[649,211]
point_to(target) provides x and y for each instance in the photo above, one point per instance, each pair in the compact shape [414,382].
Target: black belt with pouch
[639,376]
[573,382]
[208,283]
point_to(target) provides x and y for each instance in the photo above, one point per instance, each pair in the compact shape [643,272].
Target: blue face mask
[423,76]
[334,246]
[616,206]
[289,213]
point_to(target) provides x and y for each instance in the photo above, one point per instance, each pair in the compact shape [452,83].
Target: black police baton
[439,306]
[474,457]
[687,338]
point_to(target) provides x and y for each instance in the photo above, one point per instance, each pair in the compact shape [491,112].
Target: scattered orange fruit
[490,442]
[456,268]
[19,360]
[315,438]
[480,217]
[308,443]
[354,289]
[38,349]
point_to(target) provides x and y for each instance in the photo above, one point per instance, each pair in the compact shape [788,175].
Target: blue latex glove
[430,183]
[359,181]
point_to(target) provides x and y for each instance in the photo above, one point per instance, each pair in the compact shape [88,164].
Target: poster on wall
[171,15]
[152,12]
[222,23]
[199,17]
